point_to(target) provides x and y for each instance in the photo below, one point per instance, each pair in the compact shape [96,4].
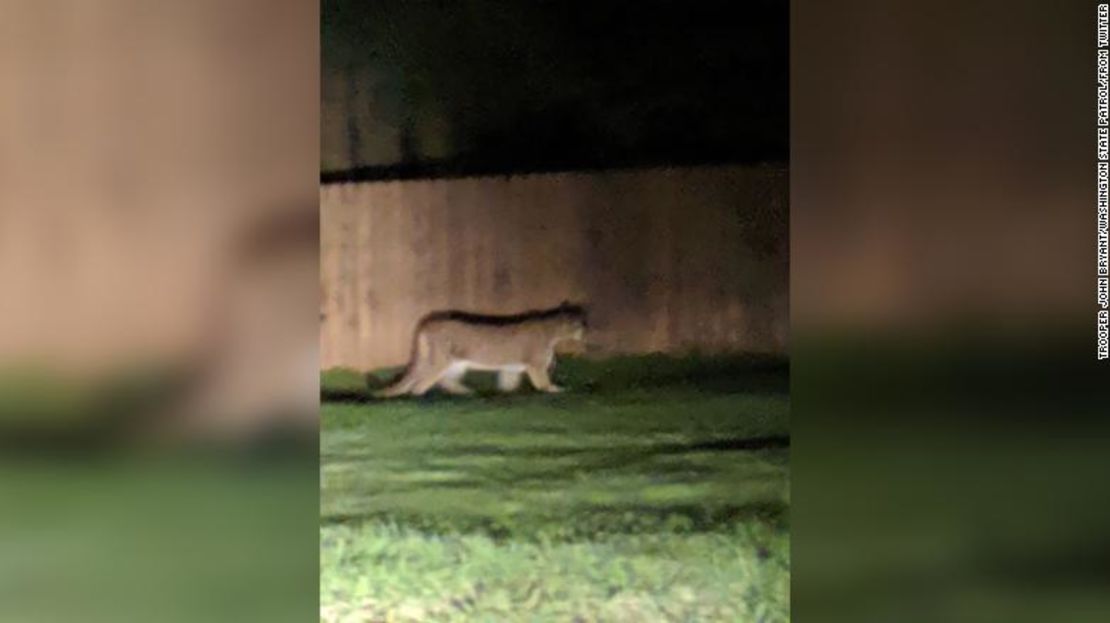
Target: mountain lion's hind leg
[435,373]
[508,380]
[451,380]
[399,387]
[433,367]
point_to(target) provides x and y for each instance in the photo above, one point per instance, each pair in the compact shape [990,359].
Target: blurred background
[156,203]
[948,410]
[158,265]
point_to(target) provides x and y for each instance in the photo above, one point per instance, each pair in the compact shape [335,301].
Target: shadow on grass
[639,458]
[346,395]
[592,458]
[771,442]
[585,523]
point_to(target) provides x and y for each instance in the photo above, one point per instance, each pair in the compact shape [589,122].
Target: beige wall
[666,259]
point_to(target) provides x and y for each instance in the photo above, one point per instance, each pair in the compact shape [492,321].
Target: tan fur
[447,344]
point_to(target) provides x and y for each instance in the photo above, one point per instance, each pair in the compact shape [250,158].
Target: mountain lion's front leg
[541,381]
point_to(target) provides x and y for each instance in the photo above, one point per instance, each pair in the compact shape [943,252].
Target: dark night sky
[541,84]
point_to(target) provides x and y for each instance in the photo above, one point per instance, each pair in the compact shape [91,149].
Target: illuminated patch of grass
[655,489]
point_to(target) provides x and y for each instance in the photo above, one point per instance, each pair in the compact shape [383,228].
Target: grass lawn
[654,489]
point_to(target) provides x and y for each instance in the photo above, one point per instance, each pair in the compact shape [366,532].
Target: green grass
[655,489]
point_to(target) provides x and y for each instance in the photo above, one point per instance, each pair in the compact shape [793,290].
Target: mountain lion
[447,344]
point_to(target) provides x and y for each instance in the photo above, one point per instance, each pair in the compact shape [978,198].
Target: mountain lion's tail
[405,382]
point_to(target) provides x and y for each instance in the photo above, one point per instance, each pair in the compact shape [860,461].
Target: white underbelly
[464,364]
